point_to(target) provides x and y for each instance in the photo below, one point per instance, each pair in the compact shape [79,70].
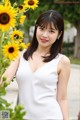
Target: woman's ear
[59,35]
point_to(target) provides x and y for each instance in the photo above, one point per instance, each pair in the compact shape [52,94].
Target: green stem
[1,56]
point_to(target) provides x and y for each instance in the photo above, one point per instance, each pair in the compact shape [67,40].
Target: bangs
[44,22]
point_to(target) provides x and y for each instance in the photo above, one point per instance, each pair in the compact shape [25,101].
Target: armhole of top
[21,56]
[59,60]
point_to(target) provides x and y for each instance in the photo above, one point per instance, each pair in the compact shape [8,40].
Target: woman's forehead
[48,25]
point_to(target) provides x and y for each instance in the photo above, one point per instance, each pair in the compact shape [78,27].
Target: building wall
[69,34]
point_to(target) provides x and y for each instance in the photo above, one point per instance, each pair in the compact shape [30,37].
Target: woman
[42,72]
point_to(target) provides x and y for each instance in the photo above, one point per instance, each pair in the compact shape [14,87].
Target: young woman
[42,72]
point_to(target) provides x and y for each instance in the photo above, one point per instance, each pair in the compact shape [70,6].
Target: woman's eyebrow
[41,26]
[52,28]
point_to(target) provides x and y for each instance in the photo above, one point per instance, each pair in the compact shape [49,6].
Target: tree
[70,9]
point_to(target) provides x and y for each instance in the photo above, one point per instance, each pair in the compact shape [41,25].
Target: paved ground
[73,92]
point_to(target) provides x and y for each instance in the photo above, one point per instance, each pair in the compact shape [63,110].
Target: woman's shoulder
[64,63]
[65,60]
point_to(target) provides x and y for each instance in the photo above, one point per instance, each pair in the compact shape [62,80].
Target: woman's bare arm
[11,70]
[64,73]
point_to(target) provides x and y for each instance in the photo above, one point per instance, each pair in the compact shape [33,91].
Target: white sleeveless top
[37,90]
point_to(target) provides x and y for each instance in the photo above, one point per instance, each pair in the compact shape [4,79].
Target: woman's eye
[51,31]
[41,28]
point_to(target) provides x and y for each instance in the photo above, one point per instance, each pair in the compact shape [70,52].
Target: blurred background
[70,10]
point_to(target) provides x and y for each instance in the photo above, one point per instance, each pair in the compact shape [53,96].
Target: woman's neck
[42,51]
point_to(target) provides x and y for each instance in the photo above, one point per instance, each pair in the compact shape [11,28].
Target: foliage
[69,9]
[17,113]
[74,60]
[68,48]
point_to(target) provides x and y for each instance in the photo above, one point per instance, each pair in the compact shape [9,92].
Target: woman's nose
[45,34]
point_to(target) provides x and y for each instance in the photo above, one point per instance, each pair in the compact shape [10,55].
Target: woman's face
[46,36]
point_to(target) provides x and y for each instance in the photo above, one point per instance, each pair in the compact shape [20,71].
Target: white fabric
[37,90]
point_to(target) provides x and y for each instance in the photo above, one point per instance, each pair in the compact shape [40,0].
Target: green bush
[68,48]
[15,114]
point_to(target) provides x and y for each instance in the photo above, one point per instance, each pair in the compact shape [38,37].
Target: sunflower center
[4,18]
[16,36]
[31,2]
[11,50]
[20,7]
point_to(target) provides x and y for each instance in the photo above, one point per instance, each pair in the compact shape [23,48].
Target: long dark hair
[48,17]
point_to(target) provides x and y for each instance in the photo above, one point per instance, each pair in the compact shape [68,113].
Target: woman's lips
[43,40]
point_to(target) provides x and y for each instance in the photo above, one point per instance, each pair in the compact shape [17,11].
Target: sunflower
[7,3]
[7,17]
[27,45]
[16,35]
[21,8]
[11,50]
[22,46]
[31,3]
[23,17]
